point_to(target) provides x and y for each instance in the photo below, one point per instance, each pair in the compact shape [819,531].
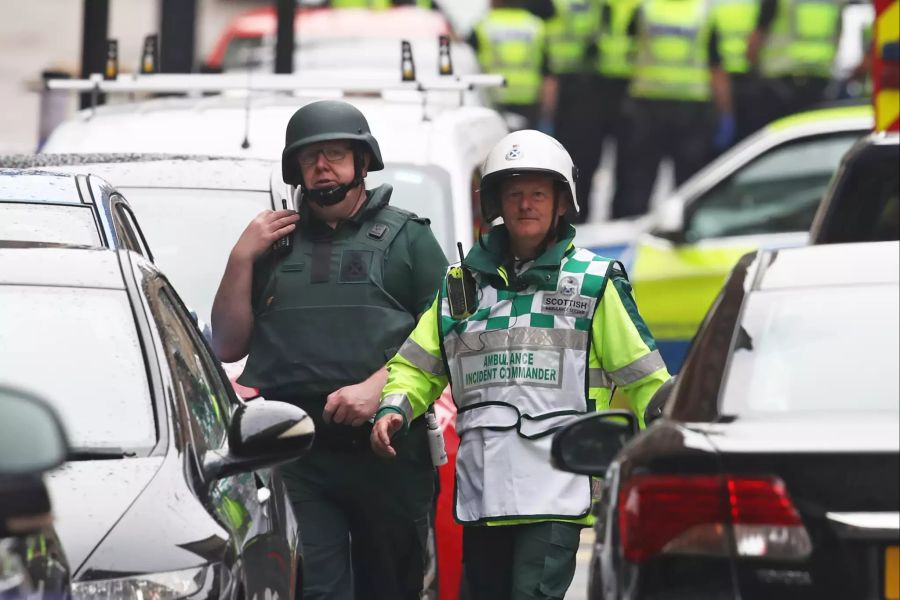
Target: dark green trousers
[363,519]
[520,562]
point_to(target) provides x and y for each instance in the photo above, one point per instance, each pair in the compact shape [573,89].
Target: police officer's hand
[267,227]
[352,405]
[383,431]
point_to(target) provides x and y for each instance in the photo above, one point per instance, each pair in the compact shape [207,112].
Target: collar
[376,199]
[491,259]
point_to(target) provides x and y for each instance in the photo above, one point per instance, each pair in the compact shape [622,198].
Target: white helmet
[525,151]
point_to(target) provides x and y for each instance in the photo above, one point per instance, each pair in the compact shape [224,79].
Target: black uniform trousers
[363,519]
[590,109]
[681,130]
[533,561]
[783,96]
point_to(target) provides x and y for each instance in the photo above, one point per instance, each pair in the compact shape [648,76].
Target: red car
[251,30]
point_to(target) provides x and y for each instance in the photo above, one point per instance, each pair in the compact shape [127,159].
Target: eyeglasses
[332,154]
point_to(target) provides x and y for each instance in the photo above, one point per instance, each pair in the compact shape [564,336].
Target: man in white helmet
[530,332]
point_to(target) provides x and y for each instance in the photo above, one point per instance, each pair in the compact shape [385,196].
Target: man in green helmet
[319,318]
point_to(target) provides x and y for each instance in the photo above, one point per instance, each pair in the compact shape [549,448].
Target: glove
[546,126]
[725,131]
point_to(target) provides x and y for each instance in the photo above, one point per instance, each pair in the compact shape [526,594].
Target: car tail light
[701,514]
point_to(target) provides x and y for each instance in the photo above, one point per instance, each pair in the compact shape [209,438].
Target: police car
[763,193]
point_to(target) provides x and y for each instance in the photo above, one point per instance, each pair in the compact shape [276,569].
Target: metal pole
[94,31]
[285,40]
[177,29]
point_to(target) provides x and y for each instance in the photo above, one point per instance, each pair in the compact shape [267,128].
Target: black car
[862,203]
[167,492]
[774,470]
[32,441]
[85,210]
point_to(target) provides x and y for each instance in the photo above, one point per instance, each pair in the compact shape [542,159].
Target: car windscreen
[424,191]
[777,192]
[866,200]
[55,223]
[192,232]
[816,349]
[78,348]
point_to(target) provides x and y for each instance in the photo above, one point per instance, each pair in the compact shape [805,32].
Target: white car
[432,149]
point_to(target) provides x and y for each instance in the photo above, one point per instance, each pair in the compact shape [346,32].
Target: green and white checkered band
[525,349]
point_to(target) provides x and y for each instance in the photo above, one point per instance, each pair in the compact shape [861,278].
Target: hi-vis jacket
[541,349]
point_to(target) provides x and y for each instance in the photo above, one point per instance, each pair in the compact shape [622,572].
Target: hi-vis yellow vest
[802,40]
[569,33]
[511,42]
[615,45]
[519,371]
[734,21]
[673,51]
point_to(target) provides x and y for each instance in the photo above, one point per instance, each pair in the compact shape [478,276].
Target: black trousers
[747,98]
[783,96]
[520,562]
[679,130]
[590,110]
[364,520]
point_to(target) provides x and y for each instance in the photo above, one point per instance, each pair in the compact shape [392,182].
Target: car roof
[833,116]
[38,186]
[60,266]
[216,125]
[129,170]
[829,265]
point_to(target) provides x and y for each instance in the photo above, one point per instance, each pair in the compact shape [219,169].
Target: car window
[128,228]
[424,191]
[867,202]
[79,349]
[192,232]
[24,222]
[833,348]
[239,53]
[195,383]
[778,192]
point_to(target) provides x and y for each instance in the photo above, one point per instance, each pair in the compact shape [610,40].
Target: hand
[383,431]
[725,132]
[352,405]
[263,230]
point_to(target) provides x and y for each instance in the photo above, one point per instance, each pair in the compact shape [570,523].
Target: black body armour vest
[327,320]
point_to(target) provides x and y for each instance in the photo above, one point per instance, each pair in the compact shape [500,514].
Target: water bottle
[435,440]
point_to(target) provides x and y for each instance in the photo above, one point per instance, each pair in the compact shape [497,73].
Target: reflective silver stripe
[501,339]
[597,378]
[645,365]
[866,525]
[401,402]
[420,357]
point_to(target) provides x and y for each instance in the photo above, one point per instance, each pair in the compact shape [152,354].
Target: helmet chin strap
[334,195]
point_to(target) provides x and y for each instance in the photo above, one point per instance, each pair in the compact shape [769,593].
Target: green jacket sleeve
[625,348]
[416,374]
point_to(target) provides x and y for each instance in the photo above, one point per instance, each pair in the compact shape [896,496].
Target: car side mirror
[659,400]
[589,445]
[263,434]
[32,441]
[670,221]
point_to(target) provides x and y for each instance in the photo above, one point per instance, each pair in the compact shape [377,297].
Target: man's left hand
[352,405]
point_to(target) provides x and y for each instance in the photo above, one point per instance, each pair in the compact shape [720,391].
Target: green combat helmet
[324,121]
